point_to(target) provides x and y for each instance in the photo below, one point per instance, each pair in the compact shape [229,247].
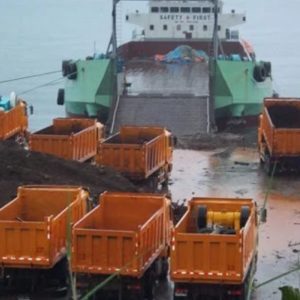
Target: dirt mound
[20,167]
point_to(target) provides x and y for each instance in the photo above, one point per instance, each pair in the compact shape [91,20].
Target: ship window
[151,27]
[205,27]
[206,10]
[219,27]
[185,9]
[178,27]
[191,27]
[154,9]
[164,9]
[174,9]
[165,27]
[196,9]
[213,9]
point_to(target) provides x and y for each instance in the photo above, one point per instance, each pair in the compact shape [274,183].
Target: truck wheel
[148,285]
[153,183]
[245,213]
[164,268]
[165,183]
[268,165]
[261,162]
[246,284]
[202,216]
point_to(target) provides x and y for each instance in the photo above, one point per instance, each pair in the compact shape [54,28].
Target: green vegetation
[289,293]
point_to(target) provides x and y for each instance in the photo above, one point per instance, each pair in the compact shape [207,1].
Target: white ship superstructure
[184,20]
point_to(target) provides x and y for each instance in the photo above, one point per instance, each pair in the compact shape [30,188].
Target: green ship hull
[237,93]
[92,92]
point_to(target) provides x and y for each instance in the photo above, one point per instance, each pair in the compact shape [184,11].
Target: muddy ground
[229,138]
[226,165]
[234,171]
[21,167]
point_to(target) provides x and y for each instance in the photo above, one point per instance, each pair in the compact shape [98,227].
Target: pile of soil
[22,167]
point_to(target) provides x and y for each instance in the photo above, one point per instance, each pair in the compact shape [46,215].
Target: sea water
[36,35]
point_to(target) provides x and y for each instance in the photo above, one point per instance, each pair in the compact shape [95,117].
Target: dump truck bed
[115,236]
[68,138]
[13,121]
[280,126]
[136,152]
[213,257]
[33,226]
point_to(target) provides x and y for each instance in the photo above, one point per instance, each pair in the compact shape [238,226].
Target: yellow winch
[229,222]
[224,218]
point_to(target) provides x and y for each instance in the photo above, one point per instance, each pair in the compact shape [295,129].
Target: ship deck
[148,77]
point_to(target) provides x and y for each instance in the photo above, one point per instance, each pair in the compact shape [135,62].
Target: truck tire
[65,67]
[268,68]
[164,268]
[202,217]
[245,213]
[69,69]
[247,282]
[148,284]
[268,165]
[259,73]
[72,73]
[60,97]
[153,183]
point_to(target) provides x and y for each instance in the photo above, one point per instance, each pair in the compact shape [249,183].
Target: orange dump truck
[214,249]
[34,226]
[68,138]
[139,153]
[13,121]
[127,235]
[279,134]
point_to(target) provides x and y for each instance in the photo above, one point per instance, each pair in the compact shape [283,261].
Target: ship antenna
[215,33]
[212,67]
[114,29]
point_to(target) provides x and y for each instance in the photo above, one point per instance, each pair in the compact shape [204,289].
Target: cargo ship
[185,68]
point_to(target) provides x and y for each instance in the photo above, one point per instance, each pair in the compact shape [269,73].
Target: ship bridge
[184,20]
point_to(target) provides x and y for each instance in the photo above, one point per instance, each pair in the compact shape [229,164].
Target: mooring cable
[30,76]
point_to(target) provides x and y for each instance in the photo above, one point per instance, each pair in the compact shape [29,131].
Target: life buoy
[259,73]
[61,97]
